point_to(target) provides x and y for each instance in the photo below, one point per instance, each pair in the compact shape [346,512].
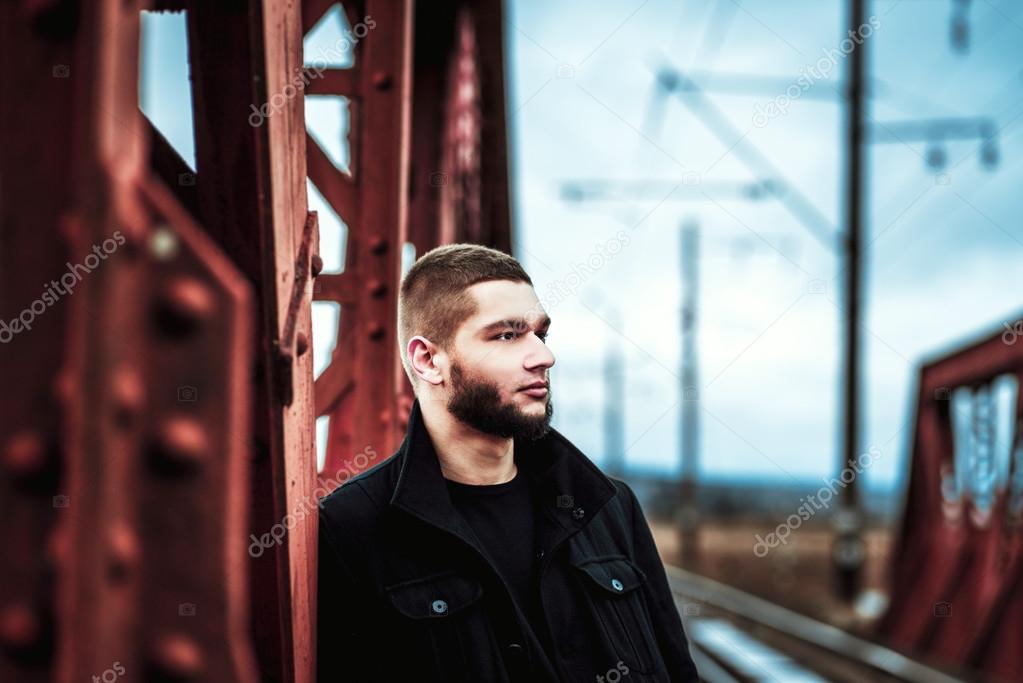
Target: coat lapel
[569,489]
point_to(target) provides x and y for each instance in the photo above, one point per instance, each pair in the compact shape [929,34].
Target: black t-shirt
[502,516]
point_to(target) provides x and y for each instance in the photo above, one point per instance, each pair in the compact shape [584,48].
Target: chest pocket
[615,586]
[435,597]
[445,626]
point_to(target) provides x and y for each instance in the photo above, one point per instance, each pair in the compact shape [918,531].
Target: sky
[942,262]
[942,245]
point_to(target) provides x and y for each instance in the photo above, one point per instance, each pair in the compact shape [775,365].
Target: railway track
[736,637]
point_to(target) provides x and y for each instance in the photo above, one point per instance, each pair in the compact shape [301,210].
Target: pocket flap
[616,574]
[436,596]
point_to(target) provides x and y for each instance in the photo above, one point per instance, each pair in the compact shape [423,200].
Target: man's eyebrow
[514,323]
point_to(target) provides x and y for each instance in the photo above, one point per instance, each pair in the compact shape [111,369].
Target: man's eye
[507,336]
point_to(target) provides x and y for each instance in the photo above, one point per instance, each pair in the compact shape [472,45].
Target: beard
[477,403]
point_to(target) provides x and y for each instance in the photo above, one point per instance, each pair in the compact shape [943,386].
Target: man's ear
[426,359]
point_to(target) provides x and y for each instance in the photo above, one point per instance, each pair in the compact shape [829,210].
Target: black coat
[406,593]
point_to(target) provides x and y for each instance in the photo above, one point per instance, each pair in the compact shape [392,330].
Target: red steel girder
[431,169]
[361,386]
[139,478]
[957,569]
[102,424]
[251,187]
[36,69]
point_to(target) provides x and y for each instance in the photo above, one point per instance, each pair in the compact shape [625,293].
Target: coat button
[578,513]
[617,585]
[439,607]
[517,662]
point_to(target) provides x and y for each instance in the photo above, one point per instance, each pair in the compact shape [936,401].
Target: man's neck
[467,455]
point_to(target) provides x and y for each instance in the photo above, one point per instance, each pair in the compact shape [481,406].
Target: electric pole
[689,414]
[848,548]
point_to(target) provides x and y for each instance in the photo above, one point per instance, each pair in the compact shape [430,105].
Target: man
[488,548]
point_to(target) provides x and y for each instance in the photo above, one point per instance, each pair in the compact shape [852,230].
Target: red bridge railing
[957,571]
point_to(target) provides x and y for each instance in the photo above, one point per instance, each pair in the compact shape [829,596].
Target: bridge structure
[157,427]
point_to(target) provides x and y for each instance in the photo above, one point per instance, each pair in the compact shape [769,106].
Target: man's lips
[538,390]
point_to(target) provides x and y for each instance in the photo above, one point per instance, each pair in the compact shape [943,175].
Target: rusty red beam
[157,472]
[359,389]
[418,176]
[251,174]
[957,569]
[187,375]
[37,62]
[109,497]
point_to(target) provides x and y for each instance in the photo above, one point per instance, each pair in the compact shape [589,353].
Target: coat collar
[567,485]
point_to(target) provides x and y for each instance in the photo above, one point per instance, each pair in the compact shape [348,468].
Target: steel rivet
[128,396]
[184,304]
[180,447]
[57,546]
[63,386]
[301,343]
[178,657]
[123,552]
[19,627]
[25,455]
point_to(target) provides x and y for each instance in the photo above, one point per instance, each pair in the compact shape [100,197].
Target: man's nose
[540,355]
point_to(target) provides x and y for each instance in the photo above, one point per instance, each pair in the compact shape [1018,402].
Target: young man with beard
[488,547]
